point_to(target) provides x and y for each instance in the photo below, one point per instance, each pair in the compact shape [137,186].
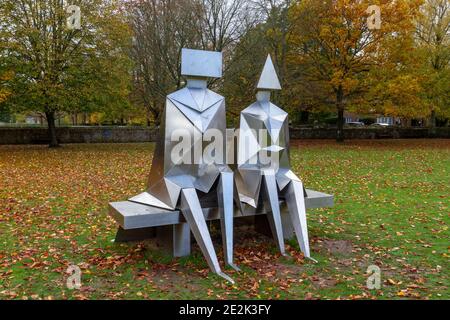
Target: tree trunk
[51,129]
[432,122]
[340,109]
[304,117]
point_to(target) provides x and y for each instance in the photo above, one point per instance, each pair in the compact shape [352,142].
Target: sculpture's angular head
[268,80]
[199,65]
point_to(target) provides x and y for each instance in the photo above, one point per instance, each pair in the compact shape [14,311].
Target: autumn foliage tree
[162,28]
[4,92]
[433,46]
[334,45]
[60,69]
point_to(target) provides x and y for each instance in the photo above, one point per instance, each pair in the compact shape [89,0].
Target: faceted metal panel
[225,194]
[147,198]
[271,195]
[192,118]
[200,63]
[296,204]
[192,211]
[277,175]
[269,79]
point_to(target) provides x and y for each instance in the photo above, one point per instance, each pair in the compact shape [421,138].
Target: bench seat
[131,215]
[170,230]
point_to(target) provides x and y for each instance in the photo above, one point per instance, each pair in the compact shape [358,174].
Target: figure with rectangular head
[263,166]
[179,172]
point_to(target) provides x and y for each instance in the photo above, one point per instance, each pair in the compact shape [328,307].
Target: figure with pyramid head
[180,177]
[263,167]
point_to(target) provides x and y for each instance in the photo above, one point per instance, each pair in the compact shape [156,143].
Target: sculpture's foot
[271,194]
[233,266]
[223,275]
[312,259]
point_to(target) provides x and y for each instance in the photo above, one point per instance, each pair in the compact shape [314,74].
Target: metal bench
[170,229]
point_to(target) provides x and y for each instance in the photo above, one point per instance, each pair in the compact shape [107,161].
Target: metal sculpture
[180,175]
[263,166]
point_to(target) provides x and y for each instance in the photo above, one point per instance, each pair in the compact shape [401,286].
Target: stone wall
[140,134]
[372,133]
[78,135]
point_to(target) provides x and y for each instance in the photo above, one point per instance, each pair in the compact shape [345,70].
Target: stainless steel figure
[191,115]
[263,161]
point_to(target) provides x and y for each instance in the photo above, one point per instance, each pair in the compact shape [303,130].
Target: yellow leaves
[391,282]
[341,53]
[402,293]
[4,92]
[404,95]
[8,75]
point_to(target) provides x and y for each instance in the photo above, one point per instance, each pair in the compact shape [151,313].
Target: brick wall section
[140,134]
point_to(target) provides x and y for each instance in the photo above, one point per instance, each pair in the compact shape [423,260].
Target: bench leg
[193,213]
[262,226]
[175,239]
[288,229]
[274,217]
[181,240]
[139,234]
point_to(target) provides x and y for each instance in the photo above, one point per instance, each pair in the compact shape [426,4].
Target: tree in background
[269,35]
[334,47]
[4,91]
[5,74]
[57,69]
[126,57]
[4,94]
[162,28]
[433,43]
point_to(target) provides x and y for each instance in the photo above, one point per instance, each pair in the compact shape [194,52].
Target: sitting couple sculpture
[181,179]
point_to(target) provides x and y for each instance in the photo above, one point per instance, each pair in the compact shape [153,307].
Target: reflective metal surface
[225,196]
[269,79]
[179,169]
[264,129]
[199,63]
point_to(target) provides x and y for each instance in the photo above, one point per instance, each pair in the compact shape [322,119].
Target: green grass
[391,210]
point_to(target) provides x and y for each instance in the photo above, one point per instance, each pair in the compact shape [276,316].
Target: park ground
[391,210]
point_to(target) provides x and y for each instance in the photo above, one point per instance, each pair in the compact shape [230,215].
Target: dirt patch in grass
[322,283]
[342,247]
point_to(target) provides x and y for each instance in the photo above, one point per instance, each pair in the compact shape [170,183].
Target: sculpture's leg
[225,199]
[193,213]
[274,217]
[295,200]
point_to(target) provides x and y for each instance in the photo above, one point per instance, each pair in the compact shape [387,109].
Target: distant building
[389,120]
[351,117]
[34,119]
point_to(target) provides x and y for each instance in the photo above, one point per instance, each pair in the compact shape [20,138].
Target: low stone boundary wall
[372,133]
[141,134]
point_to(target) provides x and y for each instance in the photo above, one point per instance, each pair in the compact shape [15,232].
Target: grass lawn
[392,210]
